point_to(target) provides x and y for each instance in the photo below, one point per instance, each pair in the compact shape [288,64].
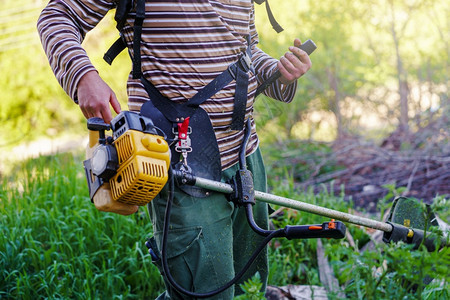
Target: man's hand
[293,64]
[94,97]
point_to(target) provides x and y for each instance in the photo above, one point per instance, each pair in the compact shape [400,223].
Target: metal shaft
[295,204]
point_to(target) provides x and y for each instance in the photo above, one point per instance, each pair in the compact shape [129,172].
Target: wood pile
[417,163]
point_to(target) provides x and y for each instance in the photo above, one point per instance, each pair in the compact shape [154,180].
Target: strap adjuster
[244,63]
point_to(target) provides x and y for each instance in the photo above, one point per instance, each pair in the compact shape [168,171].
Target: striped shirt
[185,44]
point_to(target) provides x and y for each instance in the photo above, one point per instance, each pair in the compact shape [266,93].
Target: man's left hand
[293,64]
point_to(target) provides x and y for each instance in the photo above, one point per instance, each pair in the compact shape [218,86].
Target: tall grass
[54,243]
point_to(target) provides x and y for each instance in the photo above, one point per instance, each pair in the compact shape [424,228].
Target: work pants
[210,239]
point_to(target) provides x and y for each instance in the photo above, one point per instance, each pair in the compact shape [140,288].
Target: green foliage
[298,159]
[252,289]
[391,272]
[55,244]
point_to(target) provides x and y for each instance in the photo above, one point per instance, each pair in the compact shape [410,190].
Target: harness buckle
[183,142]
[244,63]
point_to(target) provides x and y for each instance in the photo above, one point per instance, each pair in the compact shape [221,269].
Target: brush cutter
[131,167]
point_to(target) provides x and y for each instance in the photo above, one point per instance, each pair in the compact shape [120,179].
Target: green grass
[55,244]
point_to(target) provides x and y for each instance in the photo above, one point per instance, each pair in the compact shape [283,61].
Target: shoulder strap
[137,32]
[123,7]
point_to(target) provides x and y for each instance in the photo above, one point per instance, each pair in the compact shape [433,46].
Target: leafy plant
[391,272]
[252,289]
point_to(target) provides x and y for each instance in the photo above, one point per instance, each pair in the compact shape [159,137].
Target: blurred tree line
[380,66]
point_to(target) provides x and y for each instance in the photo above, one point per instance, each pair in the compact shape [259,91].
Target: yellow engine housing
[144,161]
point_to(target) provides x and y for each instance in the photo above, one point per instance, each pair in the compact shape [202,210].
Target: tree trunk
[403,89]
[335,101]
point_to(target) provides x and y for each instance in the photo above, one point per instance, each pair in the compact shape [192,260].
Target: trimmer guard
[410,212]
[409,219]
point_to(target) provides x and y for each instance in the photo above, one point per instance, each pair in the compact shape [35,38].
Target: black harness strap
[137,28]
[277,27]
[172,111]
[237,71]
[115,49]
[240,100]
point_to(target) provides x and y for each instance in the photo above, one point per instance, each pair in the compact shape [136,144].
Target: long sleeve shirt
[185,44]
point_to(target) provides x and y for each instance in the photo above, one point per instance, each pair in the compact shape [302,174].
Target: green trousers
[209,238]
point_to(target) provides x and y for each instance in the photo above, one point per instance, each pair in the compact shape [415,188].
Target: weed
[252,289]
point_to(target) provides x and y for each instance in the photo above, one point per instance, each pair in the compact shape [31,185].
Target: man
[182,47]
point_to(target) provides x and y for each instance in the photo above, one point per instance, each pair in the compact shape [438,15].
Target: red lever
[183,129]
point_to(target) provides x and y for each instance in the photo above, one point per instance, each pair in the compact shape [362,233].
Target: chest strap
[236,71]
[119,45]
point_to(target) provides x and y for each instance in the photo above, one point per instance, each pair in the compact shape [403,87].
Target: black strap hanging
[115,49]
[275,25]
[137,29]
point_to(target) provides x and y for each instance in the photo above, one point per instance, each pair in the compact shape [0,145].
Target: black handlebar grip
[333,230]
